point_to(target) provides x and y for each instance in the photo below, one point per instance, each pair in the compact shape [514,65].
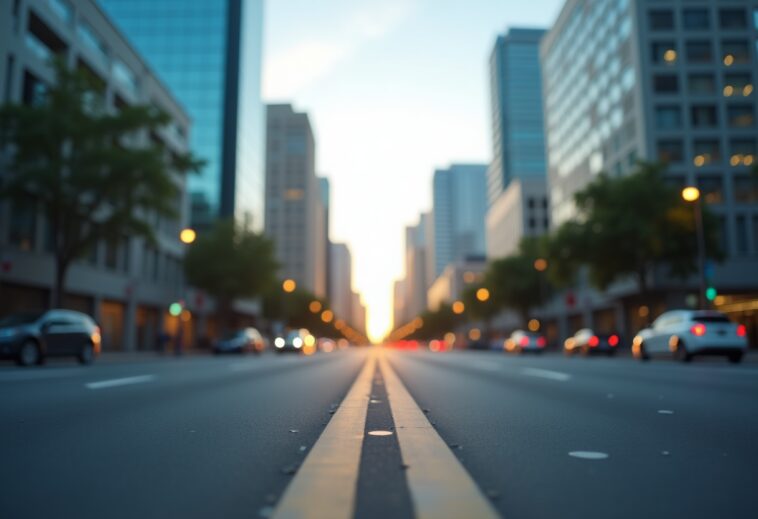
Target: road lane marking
[546,373]
[115,382]
[325,486]
[665,411]
[588,455]
[439,485]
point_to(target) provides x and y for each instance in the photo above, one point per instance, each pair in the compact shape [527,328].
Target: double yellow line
[325,486]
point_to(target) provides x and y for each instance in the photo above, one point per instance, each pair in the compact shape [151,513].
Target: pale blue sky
[394,89]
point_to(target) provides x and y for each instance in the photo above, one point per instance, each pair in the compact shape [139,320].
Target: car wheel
[681,353]
[735,357]
[86,354]
[643,355]
[29,353]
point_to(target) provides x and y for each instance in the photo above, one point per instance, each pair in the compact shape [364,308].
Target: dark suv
[31,337]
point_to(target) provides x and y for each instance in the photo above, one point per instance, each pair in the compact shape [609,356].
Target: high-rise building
[341,285]
[209,54]
[325,191]
[127,286]
[358,318]
[418,245]
[516,177]
[660,80]
[294,214]
[460,205]
[398,303]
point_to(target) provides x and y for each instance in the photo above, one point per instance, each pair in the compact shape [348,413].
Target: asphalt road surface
[375,433]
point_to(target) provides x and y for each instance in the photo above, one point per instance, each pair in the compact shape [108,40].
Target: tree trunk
[59,287]
[644,292]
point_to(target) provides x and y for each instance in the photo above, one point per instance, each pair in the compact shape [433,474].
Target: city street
[224,437]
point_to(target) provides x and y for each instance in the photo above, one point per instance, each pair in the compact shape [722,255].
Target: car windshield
[20,318]
[710,318]
[234,335]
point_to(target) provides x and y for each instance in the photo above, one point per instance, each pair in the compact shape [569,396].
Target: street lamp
[458,307]
[482,294]
[187,236]
[315,307]
[692,194]
[289,285]
[540,264]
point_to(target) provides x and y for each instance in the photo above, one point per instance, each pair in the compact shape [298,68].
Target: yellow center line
[325,485]
[439,485]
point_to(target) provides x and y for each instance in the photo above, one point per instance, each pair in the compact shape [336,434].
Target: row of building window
[708,151]
[699,19]
[733,52]
[669,116]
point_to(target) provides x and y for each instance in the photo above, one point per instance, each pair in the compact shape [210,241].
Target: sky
[393,89]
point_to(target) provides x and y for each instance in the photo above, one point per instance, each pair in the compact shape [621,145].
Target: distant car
[241,341]
[521,341]
[294,341]
[587,342]
[686,333]
[29,338]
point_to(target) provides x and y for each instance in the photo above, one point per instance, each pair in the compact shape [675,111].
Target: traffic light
[711,293]
[175,309]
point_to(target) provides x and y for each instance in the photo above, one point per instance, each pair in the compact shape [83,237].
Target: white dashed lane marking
[546,373]
[115,382]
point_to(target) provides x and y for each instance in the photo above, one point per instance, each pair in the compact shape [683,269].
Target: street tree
[229,261]
[95,172]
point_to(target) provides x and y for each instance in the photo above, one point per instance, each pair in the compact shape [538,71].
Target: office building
[517,175]
[659,80]
[418,245]
[460,205]
[294,209]
[341,281]
[398,303]
[325,191]
[209,54]
[128,286]
[450,285]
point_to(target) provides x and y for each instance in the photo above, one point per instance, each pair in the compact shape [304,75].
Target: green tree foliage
[229,261]
[96,173]
[627,227]
[436,323]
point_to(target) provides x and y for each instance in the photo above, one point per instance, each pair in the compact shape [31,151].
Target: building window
[740,116]
[704,116]
[665,83]
[34,90]
[701,83]
[699,51]
[735,52]
[745,189]
[90,38]
[532,223]
[743,152]
[661,19]
[696,19]
[670,151]
[42,40]
[22,225]
[736,85]
[741,232]
[668,117]
[733,19]
[125,76]
[706,151]
[9,69]
[531,203]
[712,188]
[664,52]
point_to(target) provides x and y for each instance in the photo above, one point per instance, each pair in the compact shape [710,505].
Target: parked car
[686,333]
[241,341]
[522,341]
[587,342]
[294,341]
[30,338]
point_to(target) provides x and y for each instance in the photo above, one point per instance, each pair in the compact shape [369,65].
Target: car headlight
[279,342]
[8,332]
[297,342]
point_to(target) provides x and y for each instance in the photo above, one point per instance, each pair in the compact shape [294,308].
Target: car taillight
[524,341]
[613,340]
[698,329]
[741,330]
[541,342]
[594,341]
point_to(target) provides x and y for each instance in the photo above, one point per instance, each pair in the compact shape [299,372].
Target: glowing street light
[315,307]
[327,316]
[459,307]
[187,236]
[691,194]
[482,294]
[289,285]
[540,264]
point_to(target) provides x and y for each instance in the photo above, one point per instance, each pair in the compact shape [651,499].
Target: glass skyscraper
[209,54]
[517,126]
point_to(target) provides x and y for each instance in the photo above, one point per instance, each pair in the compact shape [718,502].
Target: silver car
[686,333]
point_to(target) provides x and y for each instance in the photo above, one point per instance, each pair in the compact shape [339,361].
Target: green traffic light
[175,309]
[710,293]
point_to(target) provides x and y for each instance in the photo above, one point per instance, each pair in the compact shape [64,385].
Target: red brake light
[741,330]
[613,340]
[541,342]
[698,329]
[594,341]
[524,341]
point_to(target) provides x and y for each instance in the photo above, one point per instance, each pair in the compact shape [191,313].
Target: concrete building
[516,177]
[294,211]
[358,318]
[449,286]
[668,80]
[341,284]
[460,205]
[126,286]
[209,54]
[398,303]
[417,277]
[325,191]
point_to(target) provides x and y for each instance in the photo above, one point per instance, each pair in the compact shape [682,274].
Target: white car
[686,333]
